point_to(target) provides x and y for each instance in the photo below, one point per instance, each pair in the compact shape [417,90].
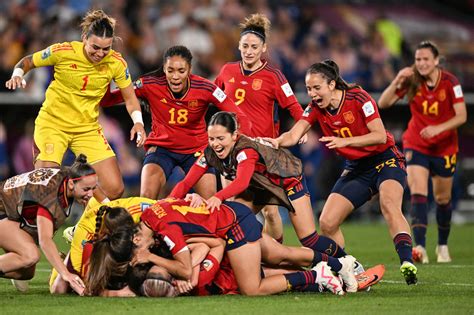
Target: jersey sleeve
[456,91]
[310,114]
[43,212]
[50,55]
[246,159]
[218,80]
[369,109]
[198,169]
[115,97]
[121,73]
[286,98]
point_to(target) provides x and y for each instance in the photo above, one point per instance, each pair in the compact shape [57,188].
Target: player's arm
[47,245]
[376,135]
[292,136]
[133,108]
[389,95]
[457,120]
[247,158]
[20,69]
[199,252]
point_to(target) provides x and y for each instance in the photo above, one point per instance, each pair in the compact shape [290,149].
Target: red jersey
[178,124]
[257,93]
[175,221]
[247,163]
[356,110]
[433,107]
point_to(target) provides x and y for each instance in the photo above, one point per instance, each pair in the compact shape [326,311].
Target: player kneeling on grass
[32,206]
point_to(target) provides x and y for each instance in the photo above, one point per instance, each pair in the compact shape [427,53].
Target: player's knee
[29,259]
[442,199]
[250,291]
[116,191]
[328,225]
[271,215]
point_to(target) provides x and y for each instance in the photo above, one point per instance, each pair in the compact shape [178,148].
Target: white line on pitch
[441,283]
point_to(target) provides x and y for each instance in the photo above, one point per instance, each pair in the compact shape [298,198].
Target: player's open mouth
[219,150]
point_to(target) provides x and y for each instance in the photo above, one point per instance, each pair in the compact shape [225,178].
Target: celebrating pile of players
[204,237]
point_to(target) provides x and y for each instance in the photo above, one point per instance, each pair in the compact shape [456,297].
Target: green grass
[441,289]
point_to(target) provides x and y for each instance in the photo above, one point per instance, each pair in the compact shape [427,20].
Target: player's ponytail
[112,219]
[329,70]
[110,257]
[80,168]
[97,23]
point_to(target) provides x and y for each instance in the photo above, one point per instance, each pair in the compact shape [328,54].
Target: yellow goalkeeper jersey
[72,98]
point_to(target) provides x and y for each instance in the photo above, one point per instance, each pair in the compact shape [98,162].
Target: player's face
[177,71]
[96,48]
[425,61]
[83,189]
[319,90]
[251,49]
[143,238]
[221,140]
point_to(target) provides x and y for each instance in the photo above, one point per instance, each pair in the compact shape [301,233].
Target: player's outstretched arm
[20,69]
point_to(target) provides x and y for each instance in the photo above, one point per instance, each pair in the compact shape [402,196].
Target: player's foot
[326,279]
[68,234]
[442,252]
[419,254]
[370,277]
[409,271]
[358,268]
[347,273]
[21,285]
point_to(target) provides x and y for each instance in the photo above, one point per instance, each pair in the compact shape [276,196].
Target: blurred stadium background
[370,40]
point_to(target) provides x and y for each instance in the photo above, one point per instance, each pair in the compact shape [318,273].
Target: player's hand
[271,141]
[303,139]
[75,282]
[403,75]
[430,132]
[15,82]
[126,292]
[213,204]
[139,131]
[195,200]
[183,286]
[142,256]
[334,142]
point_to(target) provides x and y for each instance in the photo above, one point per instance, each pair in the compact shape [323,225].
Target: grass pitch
[441,289]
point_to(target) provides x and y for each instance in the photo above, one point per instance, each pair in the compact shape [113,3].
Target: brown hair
[109,258]
[329,70]
[79,168]
[113,219]
[96,22]
[257,24]
[417,79]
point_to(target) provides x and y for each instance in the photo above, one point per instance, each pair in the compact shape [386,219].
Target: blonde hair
[257,24]
[96,22]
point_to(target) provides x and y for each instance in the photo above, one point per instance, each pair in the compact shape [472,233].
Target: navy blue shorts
[168,160]
[246,229]
[361,178]
[441,166]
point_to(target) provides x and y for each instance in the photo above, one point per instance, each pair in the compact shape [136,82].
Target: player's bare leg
[273,222]
[152,182]
[206,186]
[335,211]
[110,178]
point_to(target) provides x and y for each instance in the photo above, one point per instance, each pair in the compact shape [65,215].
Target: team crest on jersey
[442,95]
[46,53]
[348,117]
[257,84]
[193,104]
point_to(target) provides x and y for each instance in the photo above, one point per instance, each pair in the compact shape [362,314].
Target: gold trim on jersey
[341,104]
[184,95]
[242,70]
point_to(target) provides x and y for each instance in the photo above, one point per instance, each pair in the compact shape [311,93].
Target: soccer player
[262,175]
[351,125]
[256,88]
[97,221]
[68,117]
[178,102]
[32,207]
[174,221]
[430,142]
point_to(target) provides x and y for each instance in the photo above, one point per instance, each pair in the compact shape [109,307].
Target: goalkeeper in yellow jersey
[69,115]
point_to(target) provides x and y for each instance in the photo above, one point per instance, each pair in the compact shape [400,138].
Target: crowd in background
[370,43]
